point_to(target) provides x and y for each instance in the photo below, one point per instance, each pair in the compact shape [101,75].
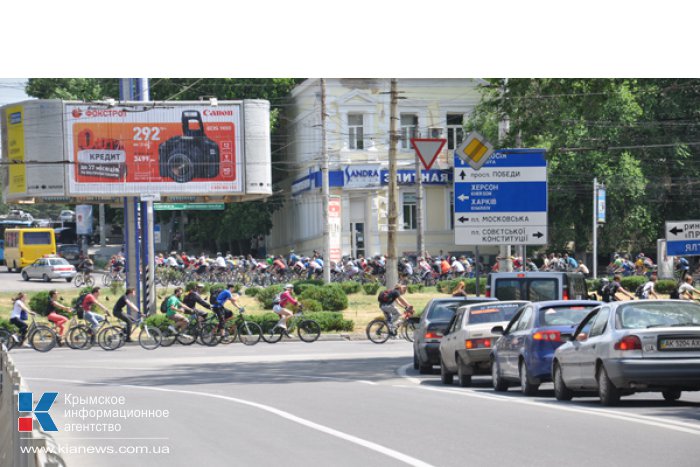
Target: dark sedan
[523,355]
[434,319]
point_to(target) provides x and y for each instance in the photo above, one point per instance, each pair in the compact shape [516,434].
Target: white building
[358,145]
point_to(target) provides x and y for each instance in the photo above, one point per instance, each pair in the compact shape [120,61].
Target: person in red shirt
[444,267]
[91,299]
[281,309]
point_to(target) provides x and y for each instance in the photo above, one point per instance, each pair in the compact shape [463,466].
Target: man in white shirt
[649,288]
[686,290]
[457,267]
[220,261]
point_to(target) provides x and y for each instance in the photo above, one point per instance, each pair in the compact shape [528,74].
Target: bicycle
[247,332]
[82,336]
[379,330]
[111,276]
[187,337]
[307,329]
[114,337]
[39,336]
[83,278]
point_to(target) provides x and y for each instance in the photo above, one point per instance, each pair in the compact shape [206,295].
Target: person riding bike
[118,310]
[174,306]
[194,298]
[388,307]
[90,316]
[280,308]
[53,306]
[223,313]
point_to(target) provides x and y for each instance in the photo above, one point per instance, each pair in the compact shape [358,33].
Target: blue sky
[12,90]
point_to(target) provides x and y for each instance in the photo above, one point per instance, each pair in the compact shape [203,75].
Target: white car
[49,268]
[625,347]
[466,347]
[67,216]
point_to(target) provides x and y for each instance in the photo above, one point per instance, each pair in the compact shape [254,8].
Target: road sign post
[683,238]
[503,202]
[427,150]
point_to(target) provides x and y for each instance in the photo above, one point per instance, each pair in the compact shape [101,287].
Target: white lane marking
[684,427]
[402,373]
[280,413]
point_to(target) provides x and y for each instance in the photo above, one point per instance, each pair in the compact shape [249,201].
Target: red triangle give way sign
[428,149]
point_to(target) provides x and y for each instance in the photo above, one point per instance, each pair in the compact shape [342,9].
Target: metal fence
[12,442]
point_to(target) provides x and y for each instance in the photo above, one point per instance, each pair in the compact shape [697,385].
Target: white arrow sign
[463,197]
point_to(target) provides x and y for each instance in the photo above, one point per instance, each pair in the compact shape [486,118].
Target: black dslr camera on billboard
[191,155]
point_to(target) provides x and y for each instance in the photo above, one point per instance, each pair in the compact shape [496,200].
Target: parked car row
[584,347]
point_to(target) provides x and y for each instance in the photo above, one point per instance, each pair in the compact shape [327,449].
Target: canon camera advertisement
[184,149]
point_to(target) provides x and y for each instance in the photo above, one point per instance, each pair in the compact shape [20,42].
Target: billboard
[190,149]
[83,219]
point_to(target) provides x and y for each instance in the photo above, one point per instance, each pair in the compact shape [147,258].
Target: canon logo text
[218,113]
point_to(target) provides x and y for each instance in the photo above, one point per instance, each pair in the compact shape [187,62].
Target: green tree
[637,136]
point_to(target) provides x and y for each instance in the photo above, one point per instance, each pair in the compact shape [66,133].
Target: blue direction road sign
[505,201]
[683,238]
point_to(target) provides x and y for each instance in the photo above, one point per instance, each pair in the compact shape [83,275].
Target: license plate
[679,343]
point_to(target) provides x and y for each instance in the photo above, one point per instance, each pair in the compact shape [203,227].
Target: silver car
[49,268]
[632,346]
[466,347]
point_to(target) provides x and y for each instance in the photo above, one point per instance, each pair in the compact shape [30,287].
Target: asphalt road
[13,282]
[342,404]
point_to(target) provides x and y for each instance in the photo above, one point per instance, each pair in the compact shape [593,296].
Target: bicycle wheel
[249,332]
[408,330]
[78,280]
[6,339]
[110,338]
[106,279]
[80,338]
[150,338]
[378,331]
[169,336]
[89,281]
[267,332]
[189,336]
[207,335]
[309,330]
[42,339]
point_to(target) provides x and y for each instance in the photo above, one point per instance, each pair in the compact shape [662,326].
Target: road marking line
[280,413]
[402,373]
[689,428]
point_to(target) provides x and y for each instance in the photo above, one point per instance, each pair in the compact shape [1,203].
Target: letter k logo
[41,411]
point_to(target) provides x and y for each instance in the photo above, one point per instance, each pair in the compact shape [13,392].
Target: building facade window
[409,127]
[409,204]
[455,130]
[356,131]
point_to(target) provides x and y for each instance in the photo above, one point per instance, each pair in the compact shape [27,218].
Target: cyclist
[222,313]
[174,306]
[457,268]
[686,290]
[118,310]
[649,288]
[616,286]
[20,314]
[91,299]
[54,317]
[85,265]
[682,266]
[194,298]
[280,308]
[391,313]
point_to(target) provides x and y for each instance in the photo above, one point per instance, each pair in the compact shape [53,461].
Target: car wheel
[499,384]
[527,387]
[464,379]
[445,376]
[671,396]
[69,280]
[609,394]
[46,278]
[25,276]
[561,392]
[415,361]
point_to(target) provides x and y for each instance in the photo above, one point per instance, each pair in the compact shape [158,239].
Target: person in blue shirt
[571,263]
[222,313]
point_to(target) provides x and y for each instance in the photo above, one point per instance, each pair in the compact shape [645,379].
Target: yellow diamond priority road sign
[475,150]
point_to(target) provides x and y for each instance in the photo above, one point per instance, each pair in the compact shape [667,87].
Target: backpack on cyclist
[606,292]
[384,297]
[164,304]
[213,294]
[674,295]
[639,293]
[79,305]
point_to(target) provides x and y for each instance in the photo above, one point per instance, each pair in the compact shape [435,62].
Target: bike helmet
[289,286]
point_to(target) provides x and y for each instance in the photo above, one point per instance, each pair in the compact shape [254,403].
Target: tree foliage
[639,137]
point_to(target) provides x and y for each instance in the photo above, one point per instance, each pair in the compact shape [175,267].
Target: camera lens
[181,168]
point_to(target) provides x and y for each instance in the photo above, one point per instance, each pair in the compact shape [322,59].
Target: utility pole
[420,239]
[505,264]
[595,227]
[392,273]
[325,189]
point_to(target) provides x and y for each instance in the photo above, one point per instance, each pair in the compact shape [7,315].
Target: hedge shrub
[447,286]
[40,303]
[5,324]
[331,296]
[252,291]
[266,295]
[415,288]
[371,288]
[311,305]
[328,320]
[632,282]
[159,321]
[665,286]
[301,285]
[351,287]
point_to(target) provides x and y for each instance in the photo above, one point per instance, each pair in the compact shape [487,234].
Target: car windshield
[641,315]
[492,313]
[566,315]
[443,311]
[58,262]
